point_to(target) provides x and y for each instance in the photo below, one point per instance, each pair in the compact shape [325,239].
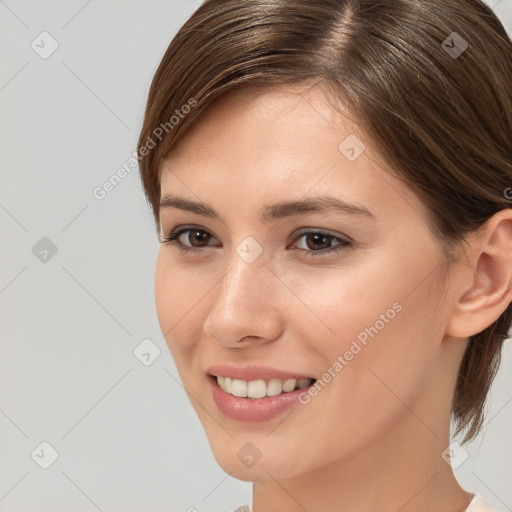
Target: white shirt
[478,504]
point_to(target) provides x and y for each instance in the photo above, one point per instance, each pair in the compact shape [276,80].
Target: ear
[485,285]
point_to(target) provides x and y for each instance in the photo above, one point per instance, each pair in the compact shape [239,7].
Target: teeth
[239,388]
[256,389]
[289,385]
[302,383]
[260,388]
[274,387]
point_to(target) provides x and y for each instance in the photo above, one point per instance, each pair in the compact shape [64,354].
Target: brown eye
[196,237]
[317,243]
[188,238]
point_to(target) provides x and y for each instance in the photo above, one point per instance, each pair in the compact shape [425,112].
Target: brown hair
[442,119]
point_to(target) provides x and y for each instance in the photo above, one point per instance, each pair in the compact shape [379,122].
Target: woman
[329,183]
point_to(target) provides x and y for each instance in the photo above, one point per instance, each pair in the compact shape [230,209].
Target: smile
[258,399]
[260,388]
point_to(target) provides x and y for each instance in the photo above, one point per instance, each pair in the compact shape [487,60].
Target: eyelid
[179,230]
[322,231]
[185,227]
[344,242]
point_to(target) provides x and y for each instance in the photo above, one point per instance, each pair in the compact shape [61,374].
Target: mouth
[260,388]
[255,393]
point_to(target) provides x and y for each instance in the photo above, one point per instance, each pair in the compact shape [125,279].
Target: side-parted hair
[429,81]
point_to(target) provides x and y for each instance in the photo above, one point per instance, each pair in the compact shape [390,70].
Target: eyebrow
[276,211]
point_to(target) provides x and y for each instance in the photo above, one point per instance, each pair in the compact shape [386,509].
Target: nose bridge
[243,282]
[242,304]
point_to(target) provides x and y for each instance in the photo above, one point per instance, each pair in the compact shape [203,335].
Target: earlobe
[486,286]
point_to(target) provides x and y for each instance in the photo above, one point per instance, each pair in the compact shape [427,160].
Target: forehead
[261,113]
[280,132]
[267,143]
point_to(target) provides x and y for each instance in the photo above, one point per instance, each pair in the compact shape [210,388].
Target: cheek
[374,325]
[178,295]
[356,300]
[380,358]
[165,294]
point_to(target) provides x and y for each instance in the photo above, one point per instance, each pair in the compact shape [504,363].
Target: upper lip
[253,372]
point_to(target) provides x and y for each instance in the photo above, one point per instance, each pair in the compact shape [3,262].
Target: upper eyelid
[178,231]
[302,231]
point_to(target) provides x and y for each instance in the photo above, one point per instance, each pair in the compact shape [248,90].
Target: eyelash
[173,239]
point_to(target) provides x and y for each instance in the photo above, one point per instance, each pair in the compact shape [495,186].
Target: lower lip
[253,409]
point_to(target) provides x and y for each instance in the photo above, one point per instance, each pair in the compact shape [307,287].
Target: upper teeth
[260,388]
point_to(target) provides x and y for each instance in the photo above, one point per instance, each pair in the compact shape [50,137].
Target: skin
[372,439]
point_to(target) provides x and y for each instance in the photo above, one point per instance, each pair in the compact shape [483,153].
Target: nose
[245,305]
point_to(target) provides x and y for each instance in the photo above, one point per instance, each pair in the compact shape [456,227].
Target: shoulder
[478,504]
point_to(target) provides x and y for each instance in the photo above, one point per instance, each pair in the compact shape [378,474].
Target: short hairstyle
[429,81]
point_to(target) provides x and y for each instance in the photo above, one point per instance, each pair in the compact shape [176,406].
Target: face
[336,287]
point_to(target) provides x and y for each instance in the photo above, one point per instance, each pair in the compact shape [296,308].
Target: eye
[317,243]
[320,243]
[193,235]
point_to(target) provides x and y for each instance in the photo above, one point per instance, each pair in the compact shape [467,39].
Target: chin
[262,470]
[244,461]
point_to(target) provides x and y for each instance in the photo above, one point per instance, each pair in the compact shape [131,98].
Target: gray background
[126,436]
